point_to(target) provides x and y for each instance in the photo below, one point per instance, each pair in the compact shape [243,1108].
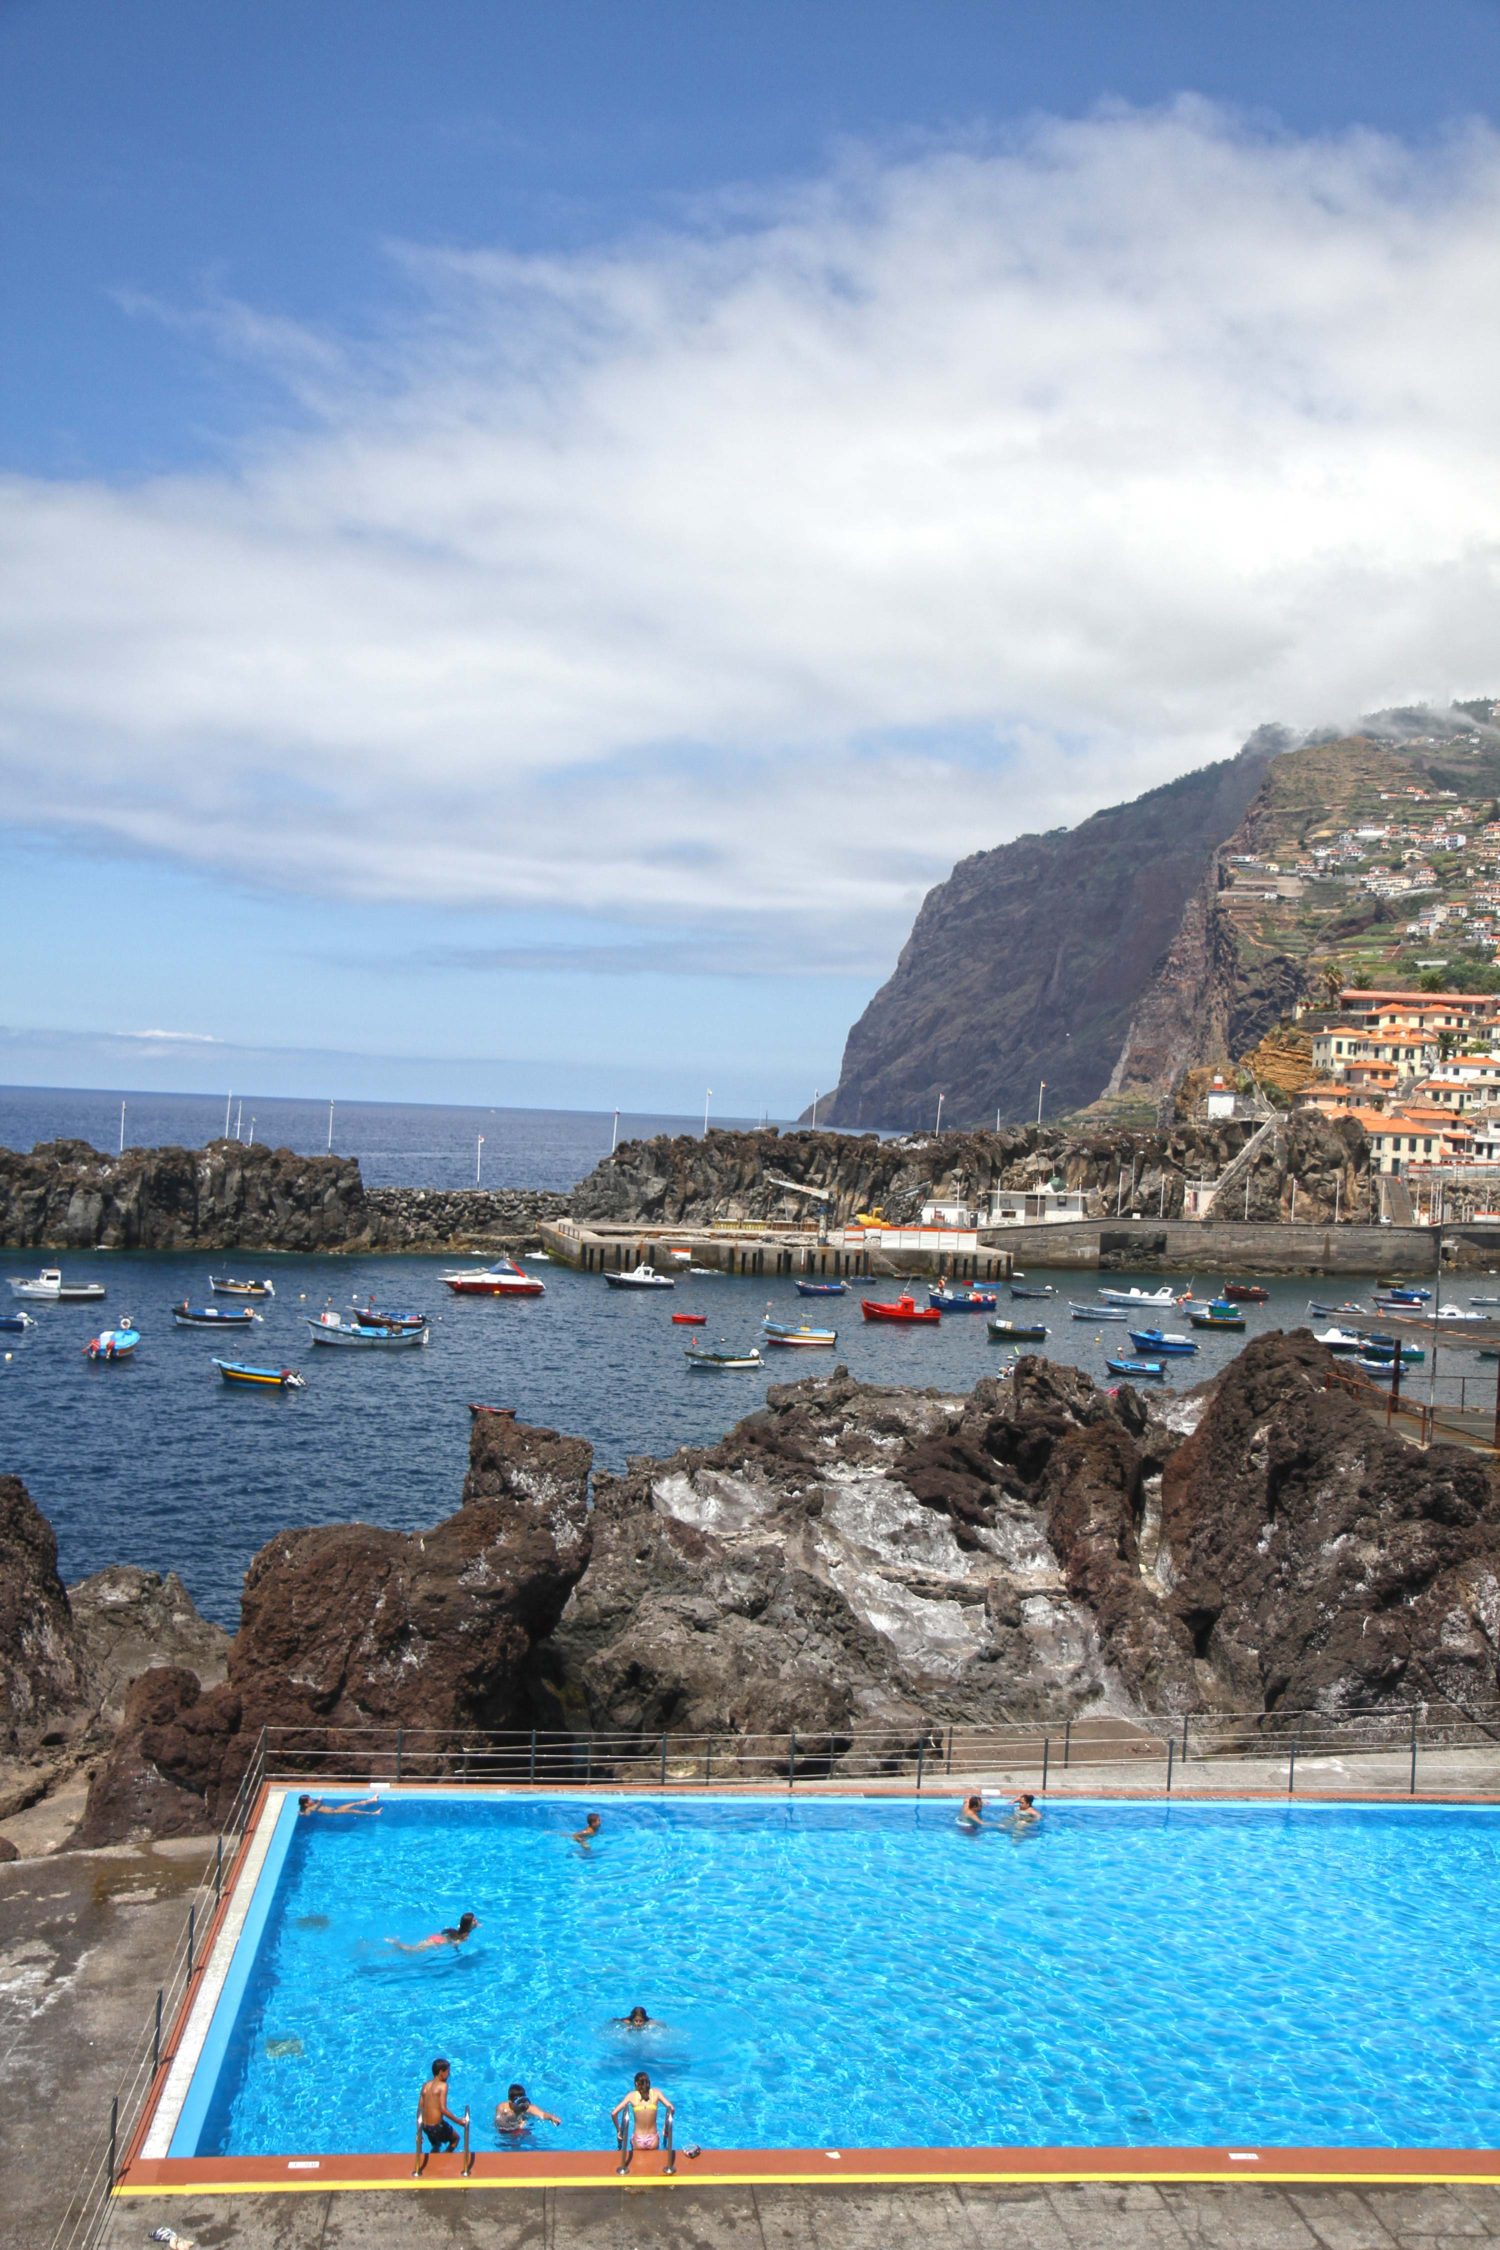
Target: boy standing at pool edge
[434,2118]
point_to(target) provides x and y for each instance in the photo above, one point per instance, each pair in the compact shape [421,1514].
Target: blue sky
[530,536]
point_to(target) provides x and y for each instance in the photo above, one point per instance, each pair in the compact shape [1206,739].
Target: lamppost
[122,1128]
[707,1098]
[1041,1090]
[478,1157]
[817,1090]
[330,1128]
[939,1125]
[614,1139]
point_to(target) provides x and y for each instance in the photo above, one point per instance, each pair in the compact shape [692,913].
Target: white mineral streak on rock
[712,1501]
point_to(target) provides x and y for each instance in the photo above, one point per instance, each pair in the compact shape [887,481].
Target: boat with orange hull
[503,1279]
[904,1309]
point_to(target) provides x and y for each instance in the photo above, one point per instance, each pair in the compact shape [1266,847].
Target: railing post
[1067,1744]
[664,1761]
[400,1749]
[156,2034]
[192,1935]
[114,2134]
[1046,1757]
[921,1758]
[708,1762]
[588,1769]
[1184,1737]
[948,1768]
[1171,1749]
[218,1866]
[1291,1769]
[531,1766]
[1413,1788]
[791,1759]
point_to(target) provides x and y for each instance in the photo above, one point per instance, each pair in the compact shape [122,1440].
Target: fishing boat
[1133,1297]
[641,1277]
[111,1344]
[1384,1347]
[1399,1294]
[503,1279]
[1132,1368]
[1246,1293]
[905,1309]
[50,1286]
[1156,1344]
[689,1319]
[963,1300]
[1098,1312]
[229,1287]
[713,1362]
[1340,1340]
[1335,1312]
[260,1378]
[328,1328]
[1047,1291]
[213,1316]
[1383,1368]
[789,1332]
[822,1288]
[1017,1331]
[1217,1315]
[15,1323]
[1484,1300]
[368,1317]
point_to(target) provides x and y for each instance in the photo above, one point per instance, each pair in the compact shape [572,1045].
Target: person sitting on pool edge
[515,2113]
[586,1834]
[637,2112]
[434,2118]
[467,1924]
[321,1804]
[971,1814]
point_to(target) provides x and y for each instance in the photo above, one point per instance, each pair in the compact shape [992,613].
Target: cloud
[747,574]
[183,1038]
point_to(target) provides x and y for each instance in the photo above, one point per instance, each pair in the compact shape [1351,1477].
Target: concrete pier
[762,1250]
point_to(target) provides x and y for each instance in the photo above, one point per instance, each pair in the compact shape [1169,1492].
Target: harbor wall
[1229,1247]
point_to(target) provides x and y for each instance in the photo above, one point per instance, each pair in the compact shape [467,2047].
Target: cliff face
[1029,962]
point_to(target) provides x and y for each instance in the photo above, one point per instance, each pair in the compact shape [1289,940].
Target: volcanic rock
[350,1626]
[44,1674]
[128,1619]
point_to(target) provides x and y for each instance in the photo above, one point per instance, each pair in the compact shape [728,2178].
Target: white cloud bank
[754,572]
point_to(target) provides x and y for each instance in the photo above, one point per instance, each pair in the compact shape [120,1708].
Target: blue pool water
[848,1975]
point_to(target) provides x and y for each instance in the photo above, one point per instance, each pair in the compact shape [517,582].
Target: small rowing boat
[716,1362]
[689,1319]
[641,1277]
[213,1316]
[368,1317]
[1217,1315]
[52,1289]
[329,1329]
[1246,1293]
[111,1344]
[1398,1294]
[822,1288]
[229,1287]
[1384,1348]
[1017,1331]
[15,1323]
[904,1309]
[963,1300]
[1132,1368]
[1048,1291]
[1335,1312]
[1133,1297]
[1155,1344]
[1099,1312]
[260,1378]
[502,1279]
[797,1332]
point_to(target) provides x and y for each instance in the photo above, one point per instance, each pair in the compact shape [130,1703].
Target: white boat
[641,1277]
[1340,1340]
[1133,1297]
[50,1286]
[328,1328]
[503,1279]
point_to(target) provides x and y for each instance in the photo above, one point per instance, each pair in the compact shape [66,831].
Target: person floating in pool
[435,2118]
[515,2114]
[1024,1813]
[971,1814]
[635,2119]
[590,1829]
[321,1805]
[467,1924]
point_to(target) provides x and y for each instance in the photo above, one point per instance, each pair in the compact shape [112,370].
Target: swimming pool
[862,1975]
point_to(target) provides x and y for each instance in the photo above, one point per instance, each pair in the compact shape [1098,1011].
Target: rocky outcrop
[1028,963]
[349,1626]
[127,1619]
[44,1672]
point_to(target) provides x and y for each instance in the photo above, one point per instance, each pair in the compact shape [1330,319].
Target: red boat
[503,1279]
[1246,1293]
[688,1319]
[905,1308]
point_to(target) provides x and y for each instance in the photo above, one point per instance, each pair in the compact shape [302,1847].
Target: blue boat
[212,1316]
[796,1332]
[1131,1368]
[822,1288]
[261,1378]
[16,1323]
[1384,1348]
[1395,1296]
[962,1300]
[112,1344]
[1155,1345]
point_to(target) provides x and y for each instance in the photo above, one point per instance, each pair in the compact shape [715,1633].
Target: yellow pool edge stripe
[1243,2176]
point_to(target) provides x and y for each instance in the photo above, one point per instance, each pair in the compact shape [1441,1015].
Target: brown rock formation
[349,1626]
[44,1675]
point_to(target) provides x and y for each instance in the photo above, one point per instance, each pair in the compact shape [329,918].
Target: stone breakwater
[65,1195]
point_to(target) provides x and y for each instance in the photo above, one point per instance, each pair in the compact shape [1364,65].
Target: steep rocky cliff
[1029,961]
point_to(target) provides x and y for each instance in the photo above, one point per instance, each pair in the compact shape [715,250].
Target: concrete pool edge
[243,1908]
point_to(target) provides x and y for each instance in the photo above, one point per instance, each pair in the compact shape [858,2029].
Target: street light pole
[816,1092]
[707,1098]
[939,1125]
[478,1157]
[1041,1090]
[614,1140]
[122,1128]
[330,1128]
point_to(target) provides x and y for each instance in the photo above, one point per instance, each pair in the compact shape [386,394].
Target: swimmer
[637,2113]
[467,1924]
[971,1817]
[321,1804]
[434,2118]
[515,2113]
[637,2020]
[586,1834]
[1025,1812]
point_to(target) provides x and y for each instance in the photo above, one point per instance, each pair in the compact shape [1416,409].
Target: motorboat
[1133,1297]
[1397,1295]
[260,1378]
[229,1287]
[15,1323]
[715,1362]
[1099,1312]
[1132,1368]
[368,1317]
[52,1289]
[1046,1291]
[503,1279]
[1459,1314]
[1017,1331]
[963,1300]
[1384,1348]
[1246,1293]
[904,1309]
[797,1332]
[642,1277]
[213,1316]
[1156,1344]
[111,1344]
[1217,1315]
[822,1288]
[689,1319]
[1340,1340]
[328,1328]
[1345,1311]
